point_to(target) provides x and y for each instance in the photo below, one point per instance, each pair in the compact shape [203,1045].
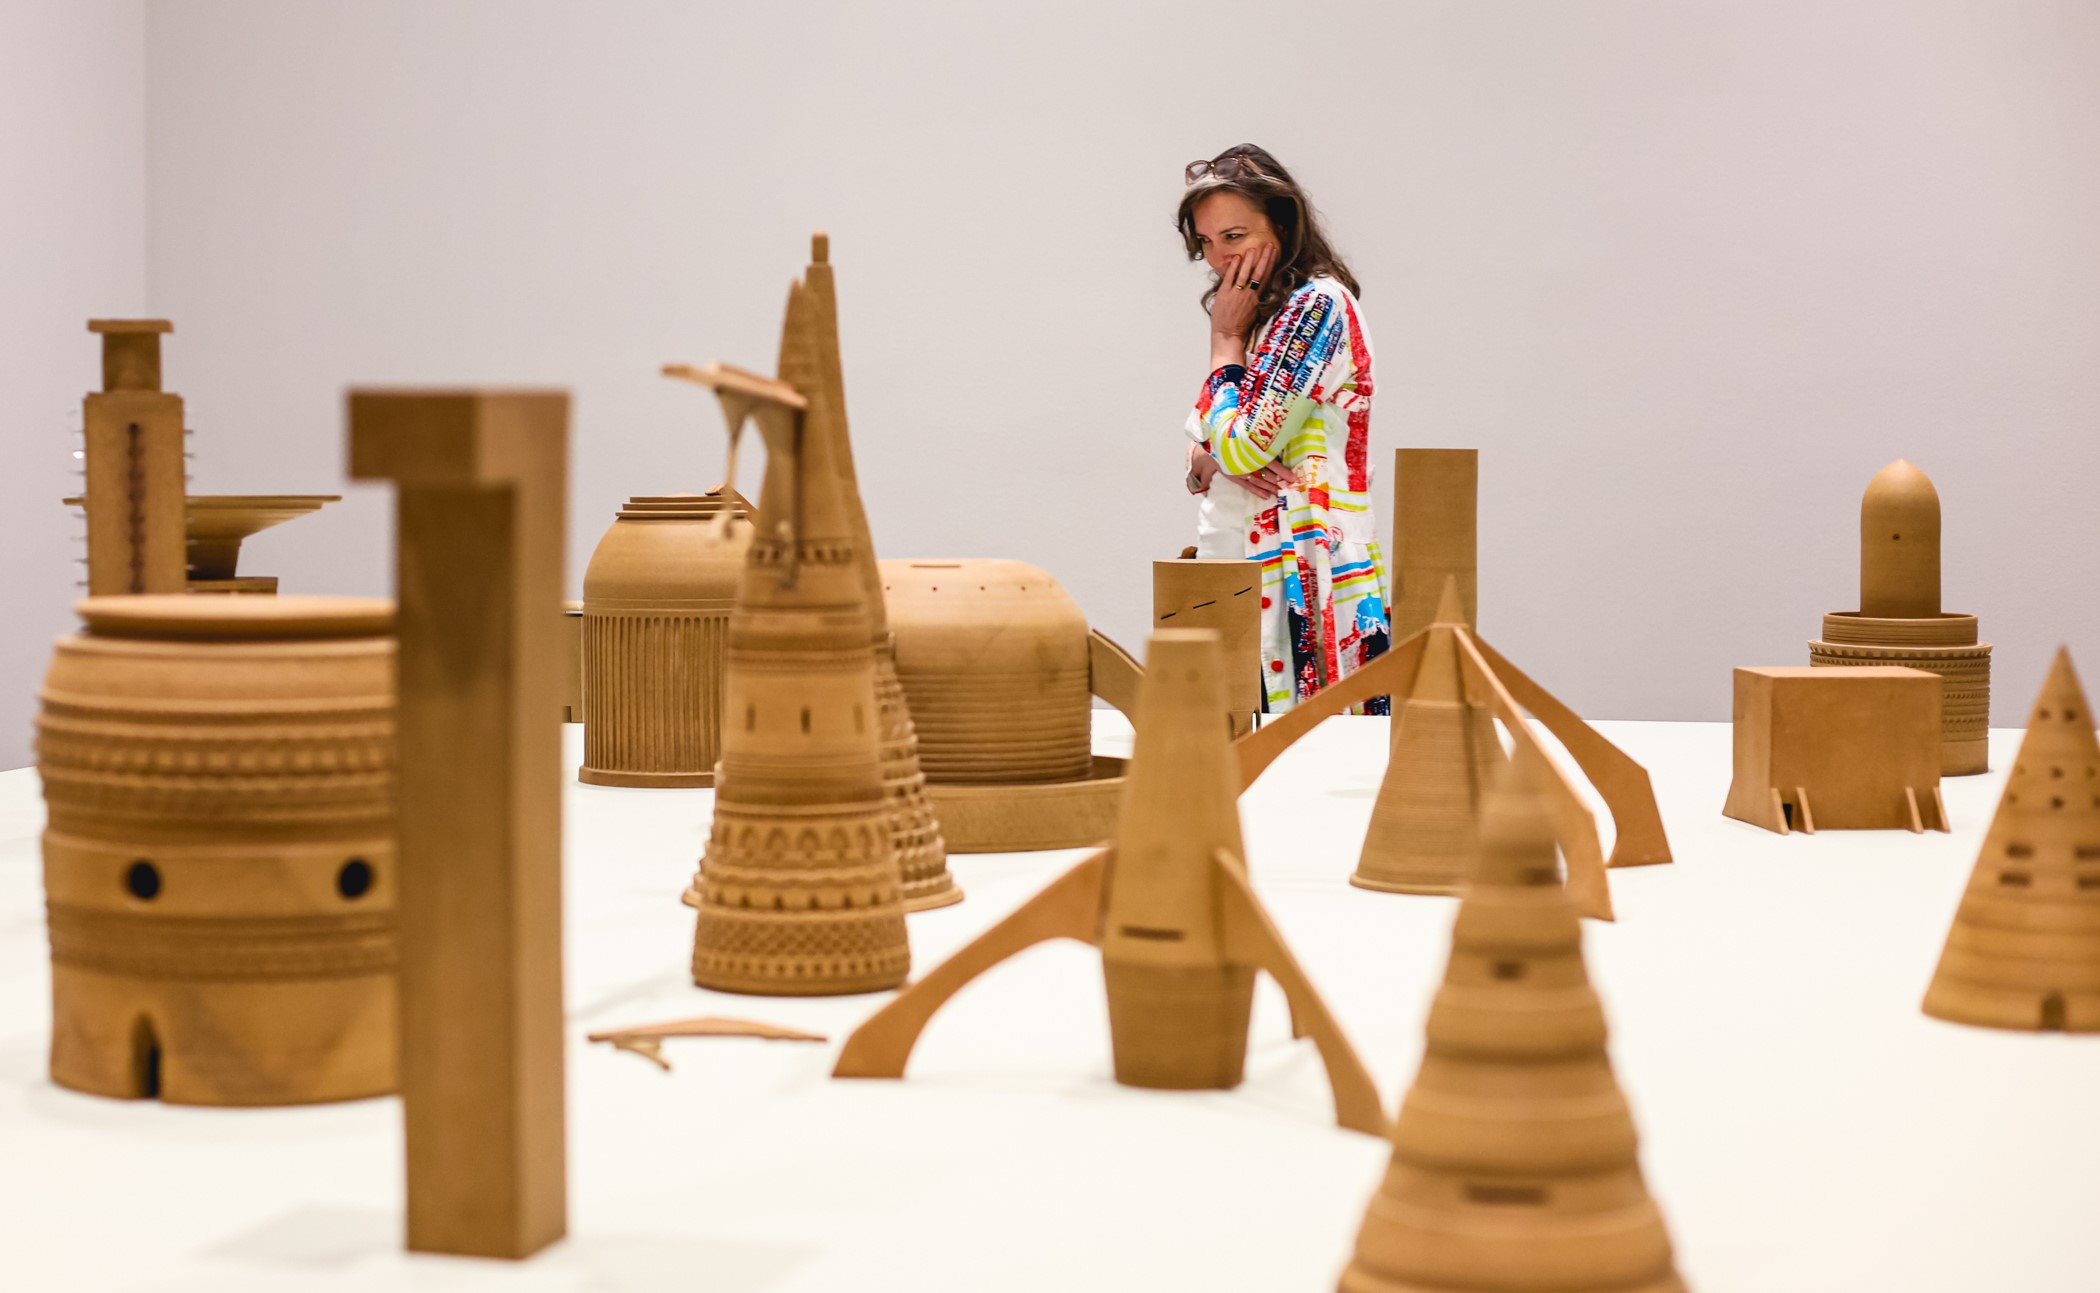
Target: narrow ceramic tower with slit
[1424,832]
[1899,620]
[799,893]
[2024,951]
[1515,1160]
[132,460]
[816,371]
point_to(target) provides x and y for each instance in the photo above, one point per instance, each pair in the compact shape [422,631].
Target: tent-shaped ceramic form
[1515,1160]
[810,366]
[1487,679]
[1180,930]
[799,892]
[2024,951]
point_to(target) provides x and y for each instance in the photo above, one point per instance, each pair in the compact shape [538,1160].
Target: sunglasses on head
[1224,168]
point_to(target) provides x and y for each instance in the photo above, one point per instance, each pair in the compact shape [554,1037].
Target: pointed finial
[1449,609]
[820,248]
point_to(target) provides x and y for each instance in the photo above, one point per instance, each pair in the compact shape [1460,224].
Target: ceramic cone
[1515,1160]
[2024,951]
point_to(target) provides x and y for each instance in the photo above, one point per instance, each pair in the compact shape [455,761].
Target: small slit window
[2015,879]
[1507,970]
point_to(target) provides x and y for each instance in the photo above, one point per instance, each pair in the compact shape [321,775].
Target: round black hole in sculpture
[355,879]
[142,878]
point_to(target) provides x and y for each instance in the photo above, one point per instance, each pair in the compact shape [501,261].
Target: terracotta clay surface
[132,459]
[1224,596]
[572,662]
[1900,622]
[656,600]
[647,1040]
[1515,1159]
[1180,930]
[2024,951]
[1511,694]
[1436,504]
[219,861]
[1837,749]
[480,519]
[800,892]
[215,525]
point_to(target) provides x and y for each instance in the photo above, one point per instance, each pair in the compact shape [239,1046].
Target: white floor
[1805,1127]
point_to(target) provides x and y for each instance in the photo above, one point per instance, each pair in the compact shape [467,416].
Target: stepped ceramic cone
[2024,951]
[1424,833]
[922,855]
[799,893]
[1515,1163]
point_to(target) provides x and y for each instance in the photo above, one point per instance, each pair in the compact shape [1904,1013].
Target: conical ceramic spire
[1424,832]
[2024,951]
[1515,1161]
[799,893]
[922,855]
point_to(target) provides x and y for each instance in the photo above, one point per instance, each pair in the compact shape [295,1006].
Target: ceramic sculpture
[1180,930]
[1000,669]
[219,849]
[1488,678]
[1837,749]
[1515,1158]
[1899,620]
[2024,950]
[656,601]
[1436,504]
[132,459]
[647,1040]
[479,534]
[1424,833]
[1223,595]
[214,526]
[572,662]
[799,893]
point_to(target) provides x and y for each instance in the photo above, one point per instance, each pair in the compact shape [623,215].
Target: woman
[1282,428]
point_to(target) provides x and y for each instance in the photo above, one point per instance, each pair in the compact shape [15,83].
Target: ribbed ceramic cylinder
[219,853]
[656,602]
[993,658]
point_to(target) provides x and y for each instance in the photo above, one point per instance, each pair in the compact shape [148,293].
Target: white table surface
[1804,1126]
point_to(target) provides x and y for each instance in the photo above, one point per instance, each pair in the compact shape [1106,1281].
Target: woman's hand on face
[1239,292]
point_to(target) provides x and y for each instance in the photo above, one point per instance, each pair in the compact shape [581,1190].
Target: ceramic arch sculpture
[811,368]
[2024,950]
[1515,1161]
[1180,930]
[1447,660]
[1899,620]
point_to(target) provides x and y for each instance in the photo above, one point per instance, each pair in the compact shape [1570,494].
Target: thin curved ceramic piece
[1391,674]
[1114,673]
[1623,783]
[1252,937]
[1069,908]
[646,1040]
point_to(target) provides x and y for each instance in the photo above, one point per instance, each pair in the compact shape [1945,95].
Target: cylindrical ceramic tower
[1899,620]
[656,602]
[219,854]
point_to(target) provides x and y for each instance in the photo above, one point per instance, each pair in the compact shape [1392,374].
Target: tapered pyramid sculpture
[1180,931]
[922,856]
[1424,834]
[2024,951]
[1515,1161]
[799,893]
[1484,678]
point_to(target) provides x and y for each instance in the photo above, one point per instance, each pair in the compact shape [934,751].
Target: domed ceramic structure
[219,854]
[656,601]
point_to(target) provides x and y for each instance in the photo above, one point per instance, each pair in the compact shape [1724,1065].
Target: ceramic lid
[180,615]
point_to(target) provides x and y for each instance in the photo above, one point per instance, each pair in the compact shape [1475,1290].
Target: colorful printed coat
[1303,399]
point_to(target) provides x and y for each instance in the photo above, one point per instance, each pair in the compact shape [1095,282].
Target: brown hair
[1304,250]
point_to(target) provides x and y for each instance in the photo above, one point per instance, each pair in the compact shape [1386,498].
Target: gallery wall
[72,246]
[1688,275]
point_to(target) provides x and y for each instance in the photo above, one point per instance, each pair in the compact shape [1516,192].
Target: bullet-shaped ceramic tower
[1515,1160]
[2024,951]
[1899,620]
[1424,835]
[799,893]
[1180,931]
[817,372]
